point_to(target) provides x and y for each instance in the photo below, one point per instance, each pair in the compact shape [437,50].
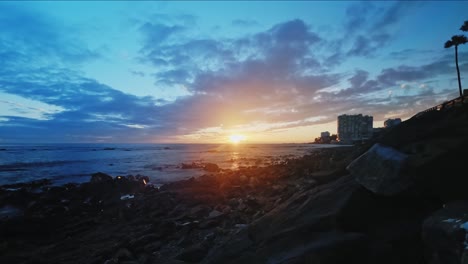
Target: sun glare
[236,138]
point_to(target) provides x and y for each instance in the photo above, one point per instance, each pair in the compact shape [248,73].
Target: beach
[109,220]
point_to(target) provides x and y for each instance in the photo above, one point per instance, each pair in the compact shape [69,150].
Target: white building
[353,128]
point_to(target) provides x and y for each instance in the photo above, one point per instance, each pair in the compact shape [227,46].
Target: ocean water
[64,163]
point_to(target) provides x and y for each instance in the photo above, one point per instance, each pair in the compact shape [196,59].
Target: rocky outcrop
[122,220]
[382,170]
[445,234]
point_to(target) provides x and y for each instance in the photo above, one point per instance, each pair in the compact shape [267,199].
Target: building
[325,134]
[392,122]
[353,128]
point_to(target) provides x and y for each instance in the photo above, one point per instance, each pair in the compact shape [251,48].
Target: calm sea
[63,163]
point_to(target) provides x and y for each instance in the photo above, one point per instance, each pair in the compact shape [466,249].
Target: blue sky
[198,72]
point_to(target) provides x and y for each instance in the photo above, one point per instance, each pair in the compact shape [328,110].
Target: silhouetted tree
[464,27]
[455,41]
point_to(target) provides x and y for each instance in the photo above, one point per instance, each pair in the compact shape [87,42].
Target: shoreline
[181,220]
[69,168]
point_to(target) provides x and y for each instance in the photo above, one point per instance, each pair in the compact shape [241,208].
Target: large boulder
[305,228]
[445,234]
[382,170]
[100,177]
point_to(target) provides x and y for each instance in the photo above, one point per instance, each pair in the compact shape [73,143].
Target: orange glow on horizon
[236,138]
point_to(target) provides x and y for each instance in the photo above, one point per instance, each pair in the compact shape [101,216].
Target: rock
[299,228]
[211,167]
[123,254]
[193,165]
[199,210]
[317,208]
[112,261]
[214,214]
[381,170]
[445,234]
[328,248]
[209,224]
[193,254]
[142,241]
[127,197]
[230,252]
[108,148]
[100,177]
[233,202]
[152,247]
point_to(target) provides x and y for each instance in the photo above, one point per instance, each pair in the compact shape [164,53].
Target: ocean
[65,163]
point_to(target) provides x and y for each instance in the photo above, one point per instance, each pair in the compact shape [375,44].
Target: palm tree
[455,41]
[464,27]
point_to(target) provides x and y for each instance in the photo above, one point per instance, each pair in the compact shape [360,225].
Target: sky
[200,72]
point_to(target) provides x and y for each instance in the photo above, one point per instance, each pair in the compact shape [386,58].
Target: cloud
[409,54]
[369,28]
[244,23]
[158,33]
[138,73]
[36,38]
[270,80]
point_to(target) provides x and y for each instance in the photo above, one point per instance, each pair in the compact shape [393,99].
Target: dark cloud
[391,77]
[365,46]
[390,16]
[91,110]
[368,28]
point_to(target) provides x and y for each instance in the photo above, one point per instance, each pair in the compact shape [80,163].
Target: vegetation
[454,42]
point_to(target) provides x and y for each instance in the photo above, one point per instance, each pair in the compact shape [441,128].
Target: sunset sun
[235,139]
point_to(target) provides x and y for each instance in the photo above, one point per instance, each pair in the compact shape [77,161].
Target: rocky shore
[127,220]
[399,199]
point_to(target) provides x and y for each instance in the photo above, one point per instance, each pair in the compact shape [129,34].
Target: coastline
[65,163]
[123,219]
[398,199]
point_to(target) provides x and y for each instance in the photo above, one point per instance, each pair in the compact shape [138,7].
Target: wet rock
[445,234]
[211,167]
[214,214]
[382,170]
[100,177]
[108,148]
[127,197]
[193,165]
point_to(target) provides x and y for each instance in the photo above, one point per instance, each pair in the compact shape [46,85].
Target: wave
[19,166]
